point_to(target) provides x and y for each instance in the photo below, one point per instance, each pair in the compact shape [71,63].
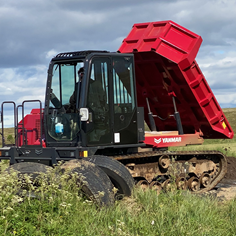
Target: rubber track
[182,155]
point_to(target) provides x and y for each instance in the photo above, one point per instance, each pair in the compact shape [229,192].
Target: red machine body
[31,131]
[165,66]
[179,108]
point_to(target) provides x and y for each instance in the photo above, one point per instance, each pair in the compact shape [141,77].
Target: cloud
[32,32]
[17,83]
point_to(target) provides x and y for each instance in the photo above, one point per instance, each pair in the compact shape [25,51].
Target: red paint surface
[165,63]
[31,128]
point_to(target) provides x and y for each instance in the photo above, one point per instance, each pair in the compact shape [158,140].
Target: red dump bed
[165,66]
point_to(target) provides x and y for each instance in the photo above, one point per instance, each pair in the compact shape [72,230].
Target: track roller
[166,185]
[205,180]
[157,165]
[194,184]
[156,186]
[143,184]
[164,162]
[181,183]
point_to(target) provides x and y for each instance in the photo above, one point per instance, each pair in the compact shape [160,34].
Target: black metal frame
[2,119]
[41,121]
[52,155]
[62,151]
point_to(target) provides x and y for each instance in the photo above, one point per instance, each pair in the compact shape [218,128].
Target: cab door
[98,102]
[111,101]
[62,121]
[124,100]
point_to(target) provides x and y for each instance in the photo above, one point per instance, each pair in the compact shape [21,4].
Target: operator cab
[104,111]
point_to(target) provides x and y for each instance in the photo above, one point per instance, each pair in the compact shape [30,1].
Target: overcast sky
[32,32]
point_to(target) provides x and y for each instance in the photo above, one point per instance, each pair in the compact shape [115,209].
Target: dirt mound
[231,168]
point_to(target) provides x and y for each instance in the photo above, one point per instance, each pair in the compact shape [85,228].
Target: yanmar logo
[168,140]
[157,140]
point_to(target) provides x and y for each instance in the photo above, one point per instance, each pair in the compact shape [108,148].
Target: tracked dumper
[175,96]
[97,104]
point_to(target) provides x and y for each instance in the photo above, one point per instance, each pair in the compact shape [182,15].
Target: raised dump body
[165,67]
[168,81]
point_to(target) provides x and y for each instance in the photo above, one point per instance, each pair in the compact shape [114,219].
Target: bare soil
[226,189]
[231,169]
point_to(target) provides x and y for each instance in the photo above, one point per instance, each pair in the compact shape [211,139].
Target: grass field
[57,208]
[227,146]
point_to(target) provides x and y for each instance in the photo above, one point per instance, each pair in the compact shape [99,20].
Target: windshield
[63,119]
[64,79]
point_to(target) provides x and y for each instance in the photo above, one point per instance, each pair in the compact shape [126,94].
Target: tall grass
[59,209]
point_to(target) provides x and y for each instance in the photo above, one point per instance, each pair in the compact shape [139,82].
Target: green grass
[230,114]
[61,211]
[8,135]
[226,146]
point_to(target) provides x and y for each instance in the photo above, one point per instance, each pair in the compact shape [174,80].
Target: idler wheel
[164,161]
[194,184]
[205,180]
[168,186]
[156,186]
[143,184]
[181,183]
